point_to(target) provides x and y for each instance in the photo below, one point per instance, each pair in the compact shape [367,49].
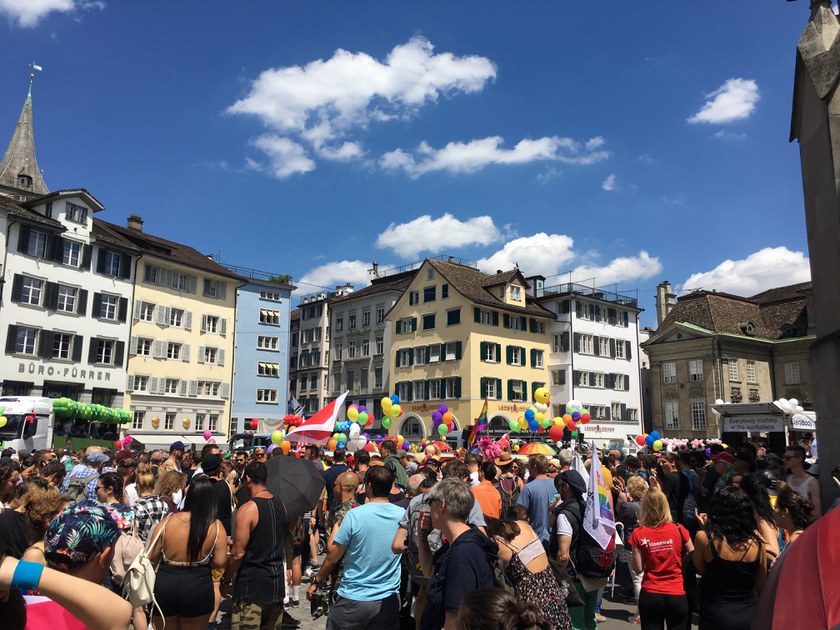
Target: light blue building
[261,351]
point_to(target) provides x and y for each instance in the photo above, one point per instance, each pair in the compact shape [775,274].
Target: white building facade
[594,358]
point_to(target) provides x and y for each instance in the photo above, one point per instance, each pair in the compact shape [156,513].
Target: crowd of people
[428,541]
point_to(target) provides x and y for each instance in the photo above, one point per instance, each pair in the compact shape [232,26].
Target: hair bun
[529,617]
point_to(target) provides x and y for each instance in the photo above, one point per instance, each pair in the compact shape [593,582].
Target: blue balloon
[395,399]
[655,435]
[340,445]
[533,425]
[649,440]
[529,415]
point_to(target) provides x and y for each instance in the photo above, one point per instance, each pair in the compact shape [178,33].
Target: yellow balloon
[539,417]
[523,423]
[395,411]
[558,421]
[353,413]
[542,395]
[386,404]
[3,421]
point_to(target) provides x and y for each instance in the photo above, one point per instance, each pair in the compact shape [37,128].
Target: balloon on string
[529,415]
[655,435]
[285,446]
[657,445]
[395,399]
[277,437]
[533,425]
[539,417]
[386,404]
[443,408]
[207,434]
[585,417]
[362,418]
[447,418]
[378,438]
[649,440]
[514,426]
[406,446]
[386,423]
[555,433]
[353,412]
[640,439]
[437,416]
[362,409]
[118,445]
[442,429]
[572,405]
[331,444]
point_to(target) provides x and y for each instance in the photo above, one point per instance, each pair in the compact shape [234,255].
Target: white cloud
[619,270]
[27,13]
[286,157]
[609,183]
[548,174]
[425,234]
[326,100]
[472,156]
[539,254]
[734,100]
[767,268]
[334,274]
[728,135]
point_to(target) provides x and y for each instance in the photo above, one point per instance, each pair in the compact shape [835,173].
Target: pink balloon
[211,441]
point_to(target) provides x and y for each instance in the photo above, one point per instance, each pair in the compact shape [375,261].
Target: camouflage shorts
[250,616]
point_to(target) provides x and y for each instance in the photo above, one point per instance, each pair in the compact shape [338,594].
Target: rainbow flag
[481,424]
[598,519]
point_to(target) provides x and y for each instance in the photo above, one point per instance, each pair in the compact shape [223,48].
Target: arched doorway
[412,429]
[499,425]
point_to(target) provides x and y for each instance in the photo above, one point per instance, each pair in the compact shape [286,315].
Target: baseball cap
[79,534]
[724,457]
[177,445]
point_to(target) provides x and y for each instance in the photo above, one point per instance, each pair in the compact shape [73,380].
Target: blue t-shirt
[535,497]
[371,569]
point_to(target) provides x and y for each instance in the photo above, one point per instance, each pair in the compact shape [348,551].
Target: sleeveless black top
[261,579]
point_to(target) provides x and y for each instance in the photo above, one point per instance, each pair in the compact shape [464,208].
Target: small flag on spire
[35,66]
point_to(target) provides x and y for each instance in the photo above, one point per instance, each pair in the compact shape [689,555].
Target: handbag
[139,580]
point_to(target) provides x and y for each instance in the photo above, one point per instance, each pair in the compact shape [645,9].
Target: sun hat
[504,459]
[79,534]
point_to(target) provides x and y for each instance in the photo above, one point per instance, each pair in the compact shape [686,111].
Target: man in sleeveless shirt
[255,567]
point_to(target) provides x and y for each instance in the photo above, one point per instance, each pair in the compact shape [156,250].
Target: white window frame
[450,355]
[380,345]
[671,411]
[72,254]
[213,422]
[450,388]
[619,349]
[516,293]
[144,347]
[31,291]
[434,389]
[587,343]
[109,306]
[669,372]
[420,355]
[211,355]
[37,245]
[67,299]
[366,347]
[269,317]
[695,369]
[267,395]
[141,383]
[170,386]
[793,374]
[434,354]
[169,421]
[137,420]
[173,350]
[752,374]
[518,390]
[147,312]
[618,381]
[539,359]
[62,346]
[491,353]
[111,264]
[211,324]
[732,369]
[267,342]
[491,389]
[176,317]
[698,415]
[516,355]
[351,349]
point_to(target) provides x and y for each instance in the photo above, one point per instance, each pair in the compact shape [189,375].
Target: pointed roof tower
[18,168]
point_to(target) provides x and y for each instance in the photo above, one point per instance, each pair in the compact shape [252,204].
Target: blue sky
[628,142]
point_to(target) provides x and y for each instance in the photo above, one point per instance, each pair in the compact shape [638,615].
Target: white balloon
[719,401]
[573,405]
[793,402]
[800,409]
[354,430]
[782,402]
[541,407]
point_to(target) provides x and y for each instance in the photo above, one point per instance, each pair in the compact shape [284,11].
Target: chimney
[375,269]
[665,301]
[135,222]
[452,259]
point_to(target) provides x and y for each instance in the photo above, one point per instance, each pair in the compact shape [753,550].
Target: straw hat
[503,460]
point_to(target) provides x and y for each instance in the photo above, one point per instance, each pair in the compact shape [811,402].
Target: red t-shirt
[662,552]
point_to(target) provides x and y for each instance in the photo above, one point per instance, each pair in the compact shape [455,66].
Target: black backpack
[589,559]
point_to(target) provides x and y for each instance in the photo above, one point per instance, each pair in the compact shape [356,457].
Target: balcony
[574,288]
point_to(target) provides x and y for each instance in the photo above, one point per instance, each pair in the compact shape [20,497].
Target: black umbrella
[295,482]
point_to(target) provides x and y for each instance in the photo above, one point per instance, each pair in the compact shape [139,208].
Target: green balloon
[574,433]
[443,429]
[514,426]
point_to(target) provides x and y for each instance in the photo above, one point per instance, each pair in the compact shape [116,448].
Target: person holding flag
[481,424]
[585,531]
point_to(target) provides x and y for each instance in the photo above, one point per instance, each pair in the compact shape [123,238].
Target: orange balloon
[285,446]
[448,418]
[331,444]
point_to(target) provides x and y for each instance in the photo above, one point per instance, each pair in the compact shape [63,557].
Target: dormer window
[24,182]
[748,328]
[516,293]
[77,214]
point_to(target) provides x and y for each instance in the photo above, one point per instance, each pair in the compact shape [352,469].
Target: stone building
[739,349]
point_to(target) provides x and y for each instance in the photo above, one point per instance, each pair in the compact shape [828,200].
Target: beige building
[460,336]
[180,353]
[714,346]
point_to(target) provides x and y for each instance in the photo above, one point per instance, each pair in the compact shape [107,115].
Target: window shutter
[220,356]
[192,284]
[533,325]
[187,320]
[564,341]
[193,388]
[45,344]
[564,306]
[86,254]
[562,377]
[224,390]
[626,382]
[577,342]
[507,320]
[129,385]
[410,357]
[495,317]
[204,323]
[576,376]
[597,310]
[97,305]
[458,347]
[17,287]
[510,390]
[477,314]
[623,412]
[137,306]
[612,348]
[182,387]
[596,346]
[81,302]
[413,324]
[609,381]
[23,238]
[125,267]
[457,387]
[119,353]
[498,389]
[160,316]
[159,350]
[483,387]
[426,390]
[51,296]
[398,359]
[523,322]
[132,346]
[578,309]
[592,379]
[92,350]
[200,357]
[523,357]
[122,314]
[153,385]
[627,352]
[533,356]
[509,352]
[77,348]
[222,290]
[608,412]
[223,326]
[185,352]
[11,339]
[100,260]
[55,248]
[483,350]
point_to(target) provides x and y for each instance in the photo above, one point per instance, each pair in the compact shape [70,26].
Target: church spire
[18,168]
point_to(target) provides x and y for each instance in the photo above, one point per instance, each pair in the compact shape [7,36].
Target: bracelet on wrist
[27,575]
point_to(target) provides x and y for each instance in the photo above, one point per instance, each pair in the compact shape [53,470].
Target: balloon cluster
[534,418]
[575,414]
[292,420]
[208,436]
[64,407]
[651,440]
[443,420]
[278,440]
[392,409]
[359,414]
[789,406]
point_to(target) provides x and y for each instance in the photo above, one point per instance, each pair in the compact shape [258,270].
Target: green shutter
[523,322]
[483,387]
[477,314]
[458,347]
[498,388]
[507,320]
[510,389]
[457,387]
[533,356]
[413,324]
[483,351]
[524,356]
[398,359]
[495,318]
[499,352]
[426,390]
[509,351]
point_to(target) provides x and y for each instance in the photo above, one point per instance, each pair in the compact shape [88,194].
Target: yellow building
[460,336]
[180,353]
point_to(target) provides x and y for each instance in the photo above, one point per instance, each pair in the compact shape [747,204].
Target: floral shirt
[122,514]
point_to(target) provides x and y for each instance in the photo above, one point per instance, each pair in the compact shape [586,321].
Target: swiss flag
[319,428]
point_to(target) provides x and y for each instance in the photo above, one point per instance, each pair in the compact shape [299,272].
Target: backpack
[588,558]
[509,489]
[76,491]
[126,549]
[138,585]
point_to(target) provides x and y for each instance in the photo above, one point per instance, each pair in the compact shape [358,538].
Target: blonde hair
[655,509]
[145,481]
[637,487]
[169,481]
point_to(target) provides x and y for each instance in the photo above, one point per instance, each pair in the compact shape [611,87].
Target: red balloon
[640,439]
[118,445]
[584,418]
[254,423]
[555,433]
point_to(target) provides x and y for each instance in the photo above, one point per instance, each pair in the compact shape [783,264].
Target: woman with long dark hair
[730,557]
[757,492]
[188,545]
[793,513]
